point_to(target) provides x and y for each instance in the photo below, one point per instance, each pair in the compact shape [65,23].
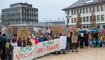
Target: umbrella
[81,31]
[92,30]
[69,31]
[103,31]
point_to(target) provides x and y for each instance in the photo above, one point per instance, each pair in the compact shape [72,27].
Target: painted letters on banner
[41,49]
[24,53]
[48,47]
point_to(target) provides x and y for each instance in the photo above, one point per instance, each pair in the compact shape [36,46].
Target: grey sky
[49,10]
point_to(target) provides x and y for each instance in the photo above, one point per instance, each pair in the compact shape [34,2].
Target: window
[72,12]
[98,9]
[98,18]
[86,10]
[83,19]
[102,17]
[68,12]
[87,19]
[94,8]
[83,10]
[72,20]
[80,11]
[102,7]
[67,20]
[77,11]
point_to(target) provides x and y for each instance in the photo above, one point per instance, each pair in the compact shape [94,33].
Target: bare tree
[78,22]
[93,20]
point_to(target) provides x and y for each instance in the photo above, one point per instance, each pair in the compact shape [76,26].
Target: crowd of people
[85,39]
[75,40]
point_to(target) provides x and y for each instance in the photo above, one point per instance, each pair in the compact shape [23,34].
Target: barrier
[41,49]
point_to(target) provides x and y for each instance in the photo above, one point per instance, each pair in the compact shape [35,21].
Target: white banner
[29,53]
[48,47]
[63,40]
[24,53]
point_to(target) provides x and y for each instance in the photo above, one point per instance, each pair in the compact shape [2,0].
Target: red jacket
[36,41]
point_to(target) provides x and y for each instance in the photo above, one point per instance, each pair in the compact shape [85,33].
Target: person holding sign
[74,41]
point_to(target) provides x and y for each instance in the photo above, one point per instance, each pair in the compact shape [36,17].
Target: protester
[81,40]
[29,43]
[19,42]
[68,40]
[90,39]
[9,49]
[14,42]
[49,38]
[40,38]
[0,43]
[3,48]
[86,39]
[74,42]
[36,40]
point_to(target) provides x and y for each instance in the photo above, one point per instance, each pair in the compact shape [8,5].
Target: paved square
[83,54]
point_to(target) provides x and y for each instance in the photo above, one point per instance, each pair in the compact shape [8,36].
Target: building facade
[85,8]
[20,13]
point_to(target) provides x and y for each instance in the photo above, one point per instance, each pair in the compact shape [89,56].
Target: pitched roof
[81,3]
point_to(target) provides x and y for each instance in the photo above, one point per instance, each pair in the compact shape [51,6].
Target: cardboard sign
[9,31]
[73,28]
[23,33]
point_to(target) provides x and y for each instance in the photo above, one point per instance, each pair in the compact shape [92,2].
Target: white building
[85,7]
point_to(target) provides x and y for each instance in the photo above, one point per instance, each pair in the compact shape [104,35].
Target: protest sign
[9,31]
[63,42]
[24,53]
[4,30]
[47,47]
[23,33]
[73,28]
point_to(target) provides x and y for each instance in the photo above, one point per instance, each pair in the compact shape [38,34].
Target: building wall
[99,10]
[20,15]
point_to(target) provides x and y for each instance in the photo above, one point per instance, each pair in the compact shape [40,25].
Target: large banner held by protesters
[47,47]
[63,41]
[24,53]
[41,49]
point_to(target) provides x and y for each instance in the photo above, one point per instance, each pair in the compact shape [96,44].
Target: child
[9,49]
[90,40]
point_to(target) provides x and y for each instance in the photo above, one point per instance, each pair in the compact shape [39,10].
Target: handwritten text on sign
[23,52]
[47,47]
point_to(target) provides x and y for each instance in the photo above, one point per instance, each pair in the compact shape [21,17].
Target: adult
[86,39]
[69,34]
[81,39]
[3,47]
[74,41]
[0,45]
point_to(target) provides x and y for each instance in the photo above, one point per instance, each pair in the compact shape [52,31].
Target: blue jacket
[40,39]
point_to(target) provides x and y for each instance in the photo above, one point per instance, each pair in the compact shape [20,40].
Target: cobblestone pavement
[83,54]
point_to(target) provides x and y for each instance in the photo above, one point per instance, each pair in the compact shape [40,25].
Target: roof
[81,3]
